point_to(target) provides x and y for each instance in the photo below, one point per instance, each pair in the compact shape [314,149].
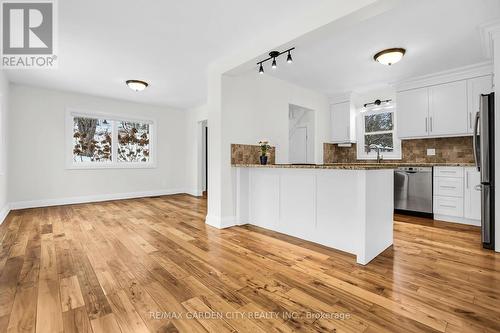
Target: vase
[263,160]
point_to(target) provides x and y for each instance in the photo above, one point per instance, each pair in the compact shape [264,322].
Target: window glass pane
[378,122]
[133,142]
[383,141]
[91,140]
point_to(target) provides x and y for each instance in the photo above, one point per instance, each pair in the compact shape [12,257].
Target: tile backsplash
[448,150]
[249,154]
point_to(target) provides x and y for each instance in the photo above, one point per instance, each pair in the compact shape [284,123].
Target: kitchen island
[348,207]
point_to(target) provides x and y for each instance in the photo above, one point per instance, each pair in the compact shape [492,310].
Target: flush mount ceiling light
[390,56]
[137,85]
[273,55]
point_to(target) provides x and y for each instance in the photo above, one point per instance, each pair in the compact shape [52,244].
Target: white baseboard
[194,192]
[91,198]
[221,222]
[456,219]
[4,212]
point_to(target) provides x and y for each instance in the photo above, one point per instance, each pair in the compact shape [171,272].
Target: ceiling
[438,35]
[167,43]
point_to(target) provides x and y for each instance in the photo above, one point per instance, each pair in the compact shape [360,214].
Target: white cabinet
[448,193]
[455,196]
[476,87]
[440,110]
[448,109]
[449,187]
[342,123]
[472,198]
[413,109]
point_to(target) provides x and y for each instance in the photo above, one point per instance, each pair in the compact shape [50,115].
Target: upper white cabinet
[440,110]
[413,109]
[342,123]
[448,109]
[476,87]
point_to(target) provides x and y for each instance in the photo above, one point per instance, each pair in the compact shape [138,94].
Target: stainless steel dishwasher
[413,190]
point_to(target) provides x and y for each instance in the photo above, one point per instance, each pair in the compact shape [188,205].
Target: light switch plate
[431,152]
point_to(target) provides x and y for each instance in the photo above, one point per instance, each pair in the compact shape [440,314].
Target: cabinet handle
[470,120]
[449,206]
[426,125]
[446,186]
[467,180]
[431,125]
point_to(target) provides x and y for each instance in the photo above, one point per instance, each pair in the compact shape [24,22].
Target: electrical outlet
[431,152]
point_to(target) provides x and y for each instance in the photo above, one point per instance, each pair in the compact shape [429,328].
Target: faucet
[379,157]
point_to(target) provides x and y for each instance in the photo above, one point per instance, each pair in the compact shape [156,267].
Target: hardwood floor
[152,265]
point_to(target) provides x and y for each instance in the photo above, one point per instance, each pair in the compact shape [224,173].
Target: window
[103,141]
[91,140]
[377,131]
[133,142]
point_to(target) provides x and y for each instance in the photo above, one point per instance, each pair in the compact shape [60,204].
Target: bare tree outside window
[91,140]
[133,142]
[379,129]
[106,142]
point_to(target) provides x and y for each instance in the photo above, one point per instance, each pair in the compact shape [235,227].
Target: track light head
[274,63]
[261,69]
[289,58]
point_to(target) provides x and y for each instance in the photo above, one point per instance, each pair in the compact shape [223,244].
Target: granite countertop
[351,166]
[405,164]
[344,166]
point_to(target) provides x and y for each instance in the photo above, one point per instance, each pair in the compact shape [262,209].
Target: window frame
[361,155]
[71,113]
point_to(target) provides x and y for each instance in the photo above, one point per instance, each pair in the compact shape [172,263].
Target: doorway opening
[301,135]
[204,159]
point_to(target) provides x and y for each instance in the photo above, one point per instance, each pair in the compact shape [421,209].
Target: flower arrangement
[264,147]
[264,150]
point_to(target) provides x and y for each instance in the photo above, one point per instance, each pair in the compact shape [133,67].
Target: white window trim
[71,165]
[360,154]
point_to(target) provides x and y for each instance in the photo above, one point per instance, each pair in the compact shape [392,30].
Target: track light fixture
[273,55]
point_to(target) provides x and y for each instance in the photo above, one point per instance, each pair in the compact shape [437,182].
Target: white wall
[495,36]
[4,107]
[194,149]
[256,107]
[37,151]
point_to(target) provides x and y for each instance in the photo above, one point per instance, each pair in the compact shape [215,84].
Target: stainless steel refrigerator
[484,155]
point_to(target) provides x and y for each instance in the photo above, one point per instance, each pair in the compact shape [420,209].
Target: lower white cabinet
[450,206]
[472,198]
[449,187]
[456,197]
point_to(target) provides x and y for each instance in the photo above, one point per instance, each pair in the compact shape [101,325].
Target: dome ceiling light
[273,55]
[137,85]
[390,56]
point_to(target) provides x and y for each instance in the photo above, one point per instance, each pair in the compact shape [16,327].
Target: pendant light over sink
[390,56]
